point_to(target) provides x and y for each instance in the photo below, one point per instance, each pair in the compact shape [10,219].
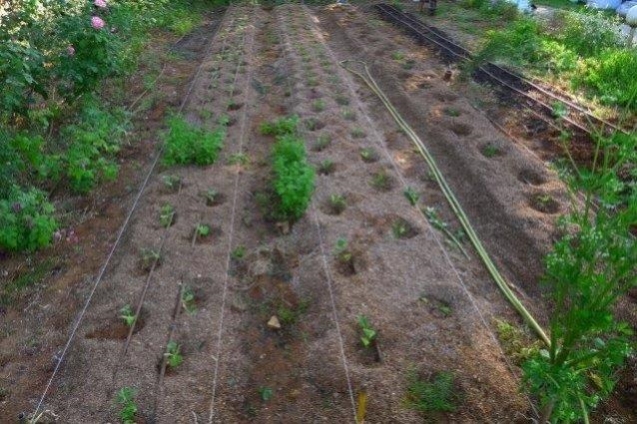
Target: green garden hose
[451,198]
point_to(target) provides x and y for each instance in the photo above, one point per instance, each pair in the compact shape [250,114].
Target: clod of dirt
[531,177]
[461,129]
[273,323]
[544,203]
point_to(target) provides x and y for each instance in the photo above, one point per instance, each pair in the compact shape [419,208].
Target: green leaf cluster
[185,143]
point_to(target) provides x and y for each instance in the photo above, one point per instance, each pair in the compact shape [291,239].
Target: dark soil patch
[116,328]
[544,203]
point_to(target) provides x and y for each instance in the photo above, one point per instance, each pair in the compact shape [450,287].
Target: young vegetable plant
[126,399]
[382,181]
[368,333]
[148,258]
[166,215]
[212,197]
[127,314]
[337,203]
[188,300]
[369,155]
[171,182]
[326,167]
[411,195]
[322,142]
[265,393]
[173,355]
[238,253]
[188,144]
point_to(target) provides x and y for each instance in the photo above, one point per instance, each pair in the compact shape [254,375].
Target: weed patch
[188,144]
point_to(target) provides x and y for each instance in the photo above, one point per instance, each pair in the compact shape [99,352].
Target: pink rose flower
[97,22]
[100,3]
[70,50]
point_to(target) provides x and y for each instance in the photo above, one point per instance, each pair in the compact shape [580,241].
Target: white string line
[326,268]
[120,234]
[224,294]
[433,233]
[341,341]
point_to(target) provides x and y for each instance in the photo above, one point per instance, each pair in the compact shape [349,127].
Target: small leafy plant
[490,150]
[342,100]
[349,114]
[127,315]
[411,195]
[238,253]
[436,395]
[239,159]
[173,355]
[368,333]
[212,197]
[166,215]
[337,203]
[369,155]
[382,181]
[126,399]
[202,230]
[188,300]
[326,167]
[318,105]
[358,133]
[171,182]
[148,258]
[265,393]
[280,127]
[322,142]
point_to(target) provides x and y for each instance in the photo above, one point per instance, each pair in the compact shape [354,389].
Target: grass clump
[436,395]
[186,144]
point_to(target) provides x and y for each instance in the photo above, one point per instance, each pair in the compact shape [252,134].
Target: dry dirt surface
[432,306]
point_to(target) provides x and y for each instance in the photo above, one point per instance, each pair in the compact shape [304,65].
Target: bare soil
[433,307]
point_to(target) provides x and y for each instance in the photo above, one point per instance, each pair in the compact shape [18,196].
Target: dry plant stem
[365,75]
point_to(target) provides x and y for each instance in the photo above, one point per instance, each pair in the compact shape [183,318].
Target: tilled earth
[433,307]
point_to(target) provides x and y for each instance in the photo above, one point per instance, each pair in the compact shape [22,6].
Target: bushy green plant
[611,75]
[293,177]
[126,399]
[519,43]
[26,220]
[186,143]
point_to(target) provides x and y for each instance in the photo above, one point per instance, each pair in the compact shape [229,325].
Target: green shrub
[612,76]
[280,127]
[185,143]
[293,178]
[26,220]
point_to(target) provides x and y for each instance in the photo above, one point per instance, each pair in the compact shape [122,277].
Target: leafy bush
[26,220]
[280,127]
[293,178]
[588,34]
[612,76]
[188,144]
[93,141]
[519,43]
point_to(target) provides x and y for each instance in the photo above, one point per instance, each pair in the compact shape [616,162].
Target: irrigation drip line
[451,198]
[116,244]
[237,178]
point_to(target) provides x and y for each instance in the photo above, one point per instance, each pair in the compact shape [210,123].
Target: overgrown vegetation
[293,177]
[57,58]
[583,48]
[126,400]
[590,268]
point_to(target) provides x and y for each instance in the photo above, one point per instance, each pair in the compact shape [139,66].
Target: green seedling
[291,315]
[238,253]
[202,230]
[382,181]
[173,355]
[398,56]
[411,195]
[322,142]
[337,203]
[342,252]
[369,155]
[358,133]
[126,399]
[368,333]
[400,229]
[318,105]
[326,167]
[126,314]
[312,82]
[265,393]
[437,395]
[559,110]
[436,221]
[342,100]
[449,111]
[239,159]
[149,257]
[313,124]
[166,215]
[490,150]
[349,114]
[188,300]
[171,182]
[211,196]
[280,127]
